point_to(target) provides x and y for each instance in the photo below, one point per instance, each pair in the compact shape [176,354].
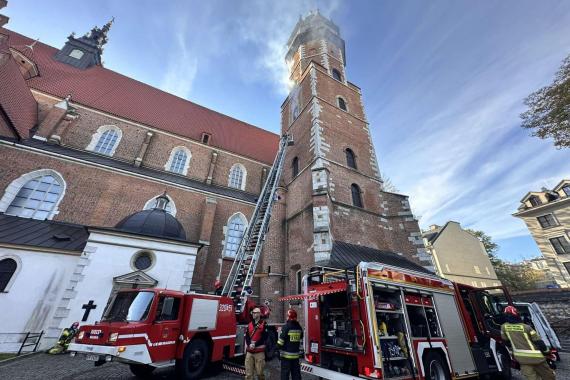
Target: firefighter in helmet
[290,347]
[256,339]
[528,349]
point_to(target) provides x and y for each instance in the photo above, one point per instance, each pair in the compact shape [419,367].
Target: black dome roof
[156,222]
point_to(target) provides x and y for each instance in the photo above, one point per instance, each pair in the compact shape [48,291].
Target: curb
[16,358]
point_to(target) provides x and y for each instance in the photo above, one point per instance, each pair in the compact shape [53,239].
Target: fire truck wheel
[435,367]
[196,357]
[141,371]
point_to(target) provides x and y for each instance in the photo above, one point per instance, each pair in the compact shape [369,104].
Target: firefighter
[289,345]
[528,349]
[255,339]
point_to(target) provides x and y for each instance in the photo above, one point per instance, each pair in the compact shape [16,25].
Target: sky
[443,84]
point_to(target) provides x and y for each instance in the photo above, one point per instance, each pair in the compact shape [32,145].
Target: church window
[7,269]
[336,75]
[342,104]
[237,177]
[143,260]
[170,206]
[350,158]
[179,160]
[295,167]
[356,195]
[105,140]
[38,197]
[234,233]
[76,53]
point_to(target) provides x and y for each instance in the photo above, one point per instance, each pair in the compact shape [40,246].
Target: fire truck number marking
[94,334]
[225,307]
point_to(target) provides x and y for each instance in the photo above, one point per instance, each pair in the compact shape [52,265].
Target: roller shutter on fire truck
[454,332]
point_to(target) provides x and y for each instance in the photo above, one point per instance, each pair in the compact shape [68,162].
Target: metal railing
[29,339]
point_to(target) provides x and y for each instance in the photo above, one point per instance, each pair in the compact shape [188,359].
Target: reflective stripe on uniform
[531,352]
[290,355]
[280,342]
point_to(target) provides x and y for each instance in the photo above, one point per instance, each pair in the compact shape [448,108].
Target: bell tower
[334,189]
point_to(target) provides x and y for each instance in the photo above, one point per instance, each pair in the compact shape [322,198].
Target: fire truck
[152,328]
[379,321]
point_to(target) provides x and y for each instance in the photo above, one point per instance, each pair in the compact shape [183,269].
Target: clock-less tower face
[334,190]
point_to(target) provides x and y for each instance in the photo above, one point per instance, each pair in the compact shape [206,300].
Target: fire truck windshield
[129,307]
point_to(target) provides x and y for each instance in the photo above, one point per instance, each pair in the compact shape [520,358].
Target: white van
[531,314]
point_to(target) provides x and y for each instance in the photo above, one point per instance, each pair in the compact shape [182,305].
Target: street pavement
[64,367]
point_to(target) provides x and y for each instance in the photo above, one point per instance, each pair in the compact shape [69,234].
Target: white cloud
[182,67]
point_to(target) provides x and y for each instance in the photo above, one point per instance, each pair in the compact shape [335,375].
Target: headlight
[113,337]
[80,335]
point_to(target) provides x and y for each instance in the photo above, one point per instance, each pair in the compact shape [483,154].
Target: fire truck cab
[384,322]
[152,328]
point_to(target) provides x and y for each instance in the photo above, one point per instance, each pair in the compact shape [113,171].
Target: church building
[107,183]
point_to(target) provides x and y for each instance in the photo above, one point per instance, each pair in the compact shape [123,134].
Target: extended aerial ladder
[240,279]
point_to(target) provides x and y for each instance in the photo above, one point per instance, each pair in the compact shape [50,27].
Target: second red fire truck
[379,321]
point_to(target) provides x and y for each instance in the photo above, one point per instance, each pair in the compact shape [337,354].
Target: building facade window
[356,195]
[566,190]
[170,206]
[299,281]
[7,270]
[105,140]
[234,233]
[341,103]
[295,167]
[476,269]
[179,160]
[206,137]
[560,244]
[237,177]
[37,195]
[547,220]
[534,201]
[350,158]
[337,75]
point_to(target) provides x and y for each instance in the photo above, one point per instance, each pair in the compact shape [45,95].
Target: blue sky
[443,84]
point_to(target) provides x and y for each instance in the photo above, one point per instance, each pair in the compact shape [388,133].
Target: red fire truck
[151,328]
[385,322]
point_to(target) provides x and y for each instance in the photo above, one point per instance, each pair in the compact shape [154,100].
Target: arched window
[179,160]
[350,158]
[237,177]
[7,269]
[336,75]
[295,167]
[356,195]
[234,233]
[105,140]
[341,104]
[37,195]
[170,206]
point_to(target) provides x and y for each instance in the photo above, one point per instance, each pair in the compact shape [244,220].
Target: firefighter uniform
[289,345]
[524,343]
[255,338]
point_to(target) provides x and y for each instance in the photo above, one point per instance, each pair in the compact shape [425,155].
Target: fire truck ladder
[238,284]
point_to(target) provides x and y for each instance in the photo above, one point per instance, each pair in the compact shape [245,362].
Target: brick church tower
[333,189]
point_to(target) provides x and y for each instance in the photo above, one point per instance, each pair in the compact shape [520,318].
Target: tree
[548,114]
[513,276]
[388,185]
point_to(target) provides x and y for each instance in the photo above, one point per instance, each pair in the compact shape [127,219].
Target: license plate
[92,357]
